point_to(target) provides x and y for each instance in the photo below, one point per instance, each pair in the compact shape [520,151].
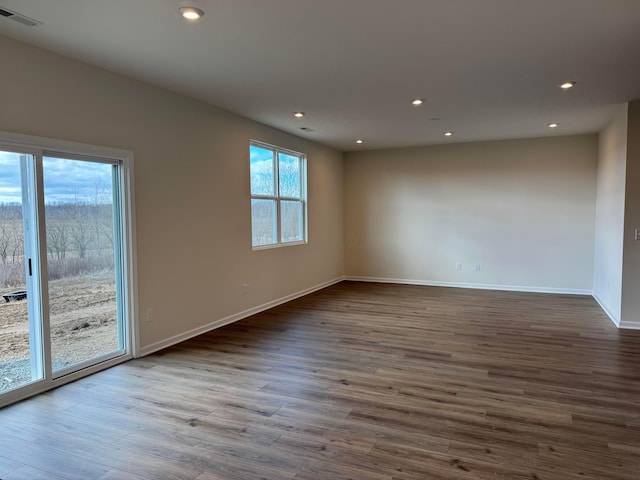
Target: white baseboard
[616,321]
[481,286]
[611,316]
[154,347]
[629,325]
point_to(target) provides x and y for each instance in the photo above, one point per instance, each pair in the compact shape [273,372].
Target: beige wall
[612,160]
[524,210]
[631,265]
[191,185]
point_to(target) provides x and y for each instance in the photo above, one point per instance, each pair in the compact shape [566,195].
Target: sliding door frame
[41,147]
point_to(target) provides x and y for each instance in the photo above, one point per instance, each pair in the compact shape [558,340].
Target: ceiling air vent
[23,19]
[307,129]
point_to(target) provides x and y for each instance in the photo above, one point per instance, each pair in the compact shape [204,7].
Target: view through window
[278,196]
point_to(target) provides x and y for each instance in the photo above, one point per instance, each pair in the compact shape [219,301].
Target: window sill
[278,245]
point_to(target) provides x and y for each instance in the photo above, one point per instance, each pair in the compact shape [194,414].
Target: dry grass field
[83,322]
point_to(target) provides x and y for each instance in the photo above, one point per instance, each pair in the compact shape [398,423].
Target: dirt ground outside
[83,325]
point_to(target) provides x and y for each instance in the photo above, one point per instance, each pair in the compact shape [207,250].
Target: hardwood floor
[357,381]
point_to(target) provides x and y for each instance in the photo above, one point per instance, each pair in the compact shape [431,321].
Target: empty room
[330,240]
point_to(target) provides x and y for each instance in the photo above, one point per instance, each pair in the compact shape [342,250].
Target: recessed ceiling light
[567,85]
[359,141]
[448,134]
[418,101]
[554,125]
[298,114]
[191,13]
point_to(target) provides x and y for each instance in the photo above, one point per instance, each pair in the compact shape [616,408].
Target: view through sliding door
[83,261]
[63,267]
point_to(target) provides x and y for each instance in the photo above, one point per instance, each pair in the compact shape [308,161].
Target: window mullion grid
[263,197]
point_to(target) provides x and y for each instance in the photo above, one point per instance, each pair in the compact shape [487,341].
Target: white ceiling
[488,69]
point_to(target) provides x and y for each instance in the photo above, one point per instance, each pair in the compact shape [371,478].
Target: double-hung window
[278,196]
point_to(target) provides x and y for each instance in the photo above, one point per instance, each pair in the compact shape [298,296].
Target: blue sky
[9,178]
[64,180]
[262,172]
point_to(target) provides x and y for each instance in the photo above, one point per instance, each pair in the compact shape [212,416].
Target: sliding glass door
[65,296]
[83,260]
[21,353]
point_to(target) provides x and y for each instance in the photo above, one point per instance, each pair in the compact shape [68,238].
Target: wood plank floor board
[51,460]
[357,381]
[116,474]
[25,427]
[217,453]
[218,476]
[30,473]
[359,428]
[106,396]
[275,395]
[223,428]
[111,456]
[8,466]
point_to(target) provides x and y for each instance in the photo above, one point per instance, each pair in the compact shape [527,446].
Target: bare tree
[17,245]
[5,236]
[11,241]
[102,214]
[58,232]
[80,230]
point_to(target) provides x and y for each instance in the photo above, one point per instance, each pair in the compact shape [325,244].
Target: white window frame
[277,198]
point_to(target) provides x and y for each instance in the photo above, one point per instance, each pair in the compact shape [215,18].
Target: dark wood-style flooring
[357,381]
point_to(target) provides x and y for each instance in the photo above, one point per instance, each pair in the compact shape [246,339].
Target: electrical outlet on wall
[458,266]
[245,288]
[476,267]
